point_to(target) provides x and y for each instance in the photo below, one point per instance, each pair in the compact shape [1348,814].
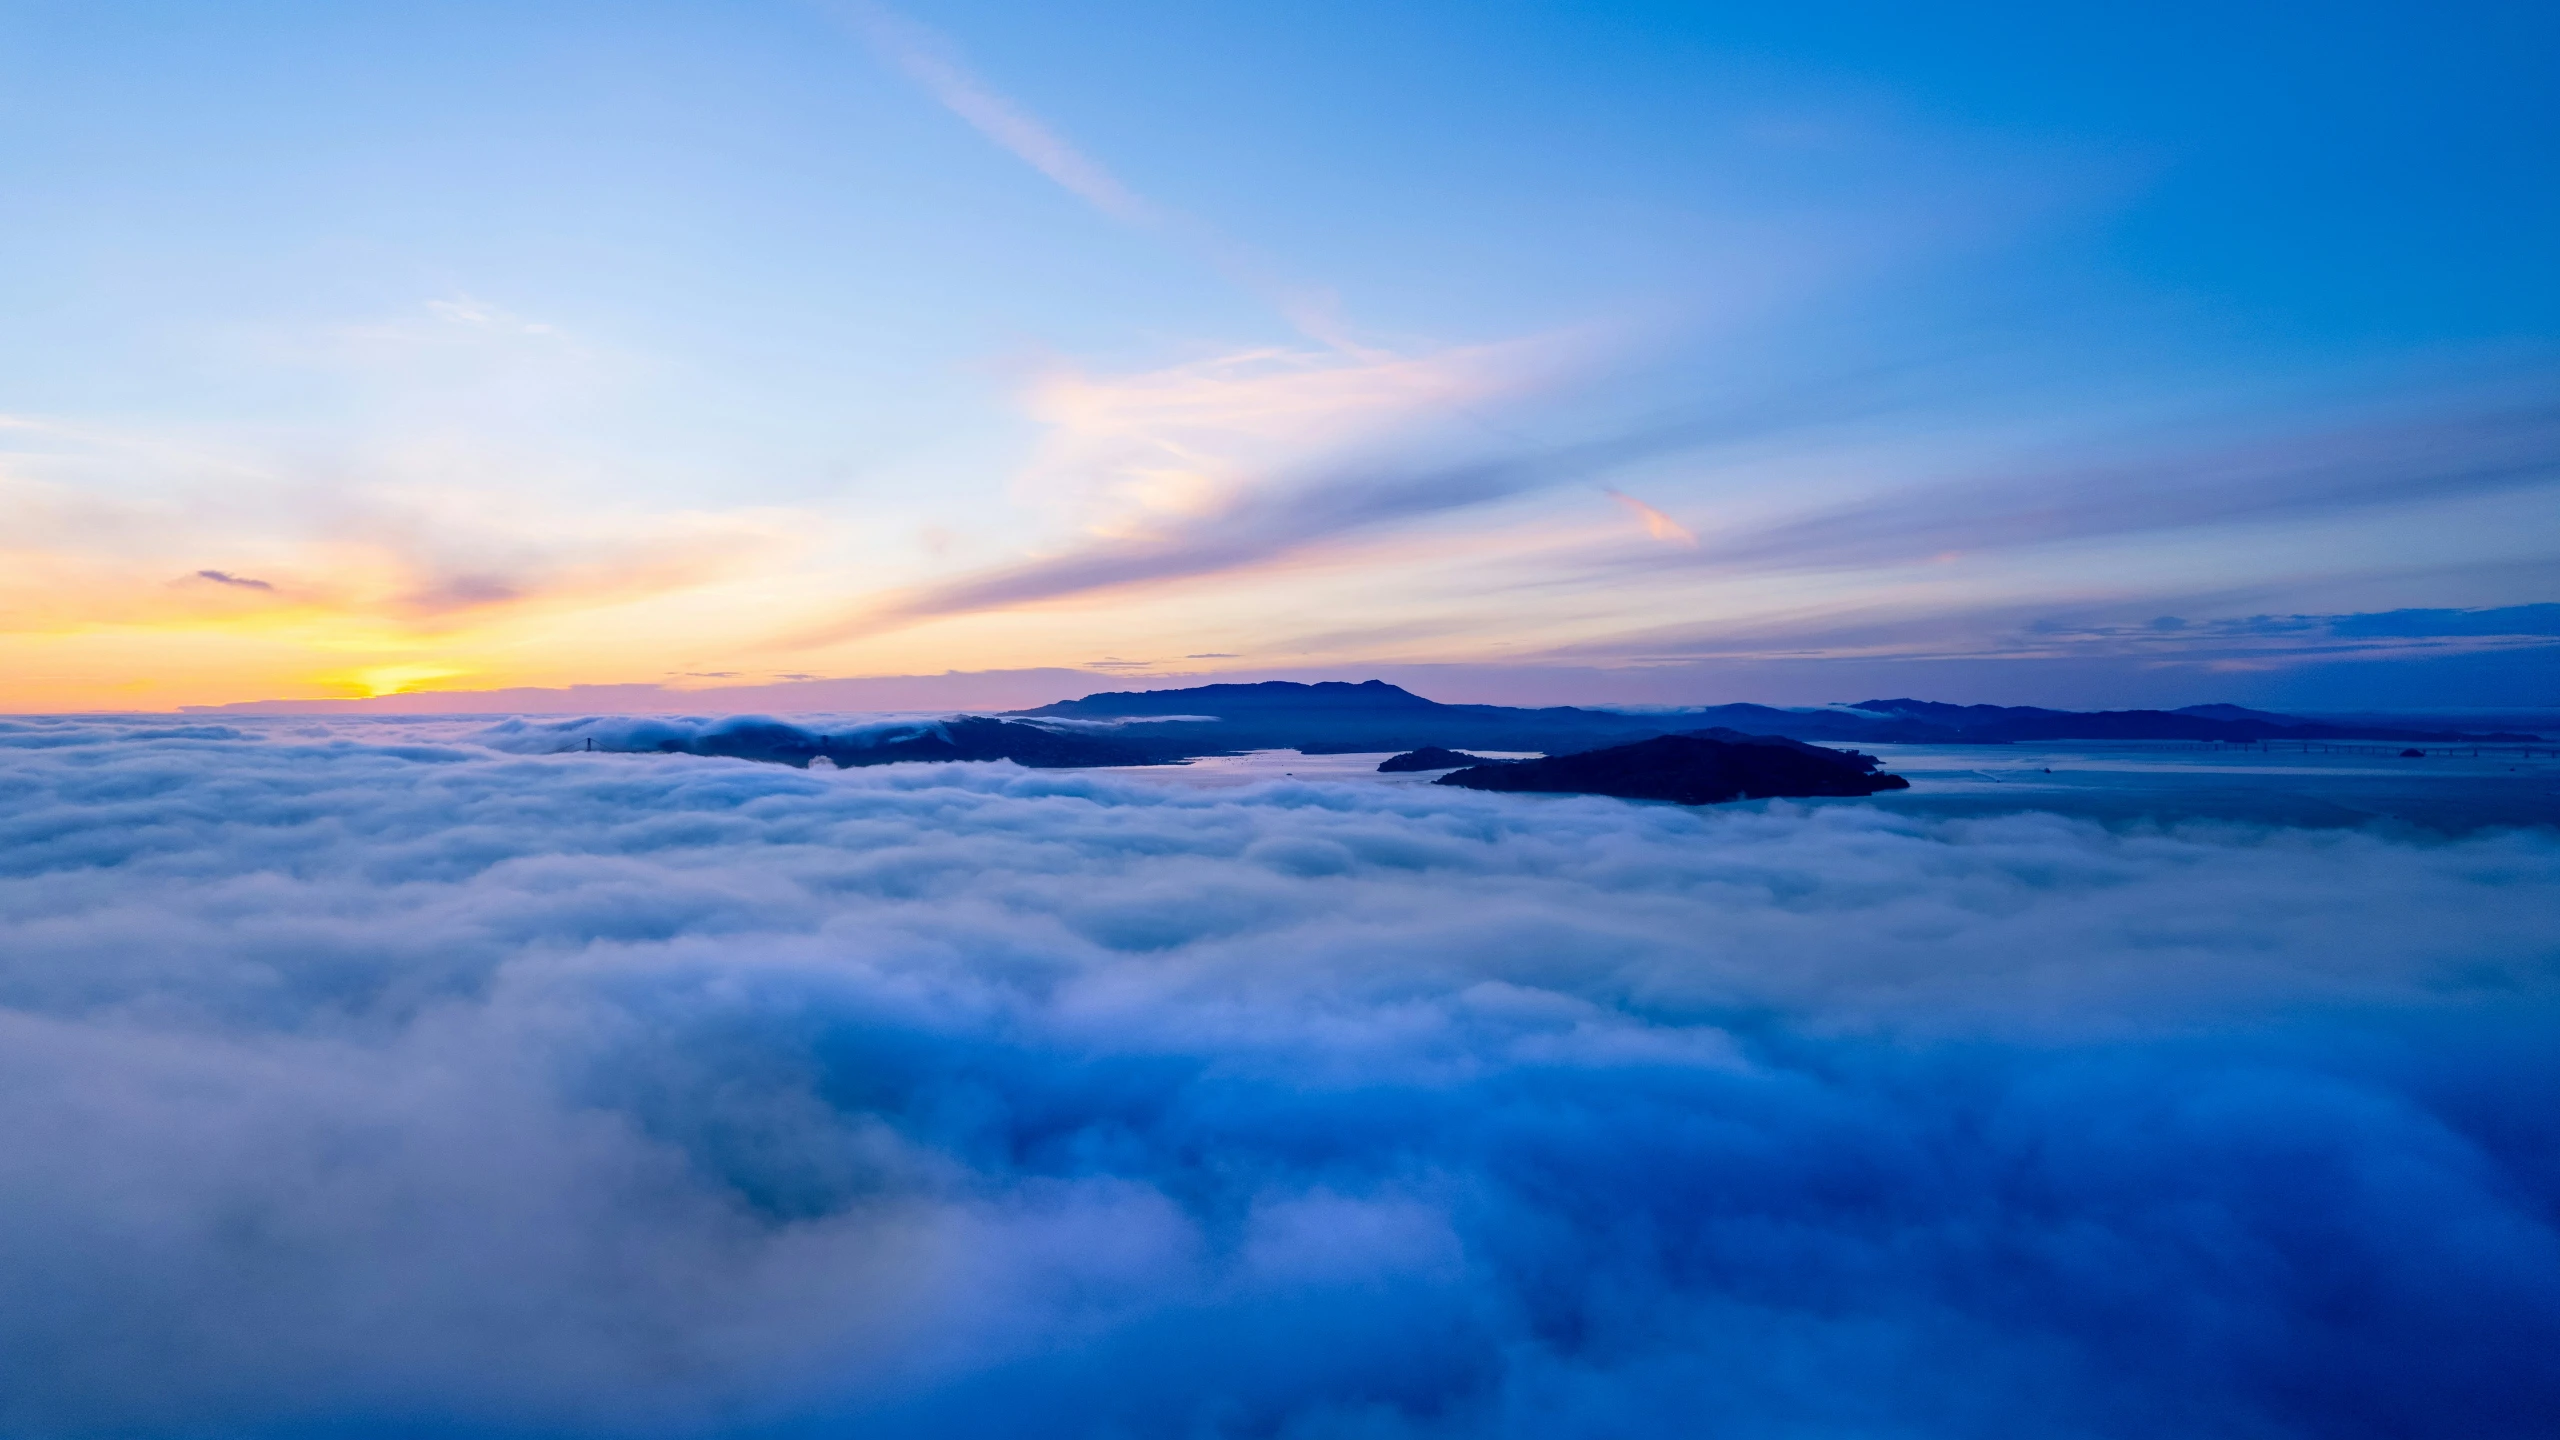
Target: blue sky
[1686,351]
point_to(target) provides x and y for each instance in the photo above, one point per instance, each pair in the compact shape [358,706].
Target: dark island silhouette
[1688,770]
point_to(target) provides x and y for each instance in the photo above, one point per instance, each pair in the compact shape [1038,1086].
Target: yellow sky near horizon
[143,572]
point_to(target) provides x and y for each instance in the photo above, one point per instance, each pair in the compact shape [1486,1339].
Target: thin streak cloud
[1442,460]
[2302,477]
[1279,522]
[933,62]
[225,577]
[1656,524]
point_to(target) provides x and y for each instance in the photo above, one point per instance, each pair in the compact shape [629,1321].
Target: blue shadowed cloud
[2541,619]
[224,577]
[359,1076]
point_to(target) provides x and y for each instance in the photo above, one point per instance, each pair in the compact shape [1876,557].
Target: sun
[398,679]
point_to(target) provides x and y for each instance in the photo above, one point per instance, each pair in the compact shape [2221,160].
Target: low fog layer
[354,1076]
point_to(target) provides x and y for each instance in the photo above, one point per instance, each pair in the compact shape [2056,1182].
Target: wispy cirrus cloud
[1217,529]
[2497,620]
[1129,456]
[2264,639]
[2308,474]
[93,519]
[2126,637]
[1172,476]
[1214,464]
[240,582]
[1656,524]
[934,62]
[930,59]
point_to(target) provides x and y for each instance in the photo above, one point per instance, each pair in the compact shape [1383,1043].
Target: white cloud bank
[358,1077]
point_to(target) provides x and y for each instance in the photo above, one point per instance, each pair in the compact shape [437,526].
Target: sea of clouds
[366,1078]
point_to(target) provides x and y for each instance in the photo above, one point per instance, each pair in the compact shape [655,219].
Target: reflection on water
[2113,781]
[2449,790]
[1221,771]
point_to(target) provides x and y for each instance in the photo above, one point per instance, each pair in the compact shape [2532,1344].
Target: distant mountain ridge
[1338,717]
[2000,724]
[1256,697]
[1335,717]
[1161,727]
